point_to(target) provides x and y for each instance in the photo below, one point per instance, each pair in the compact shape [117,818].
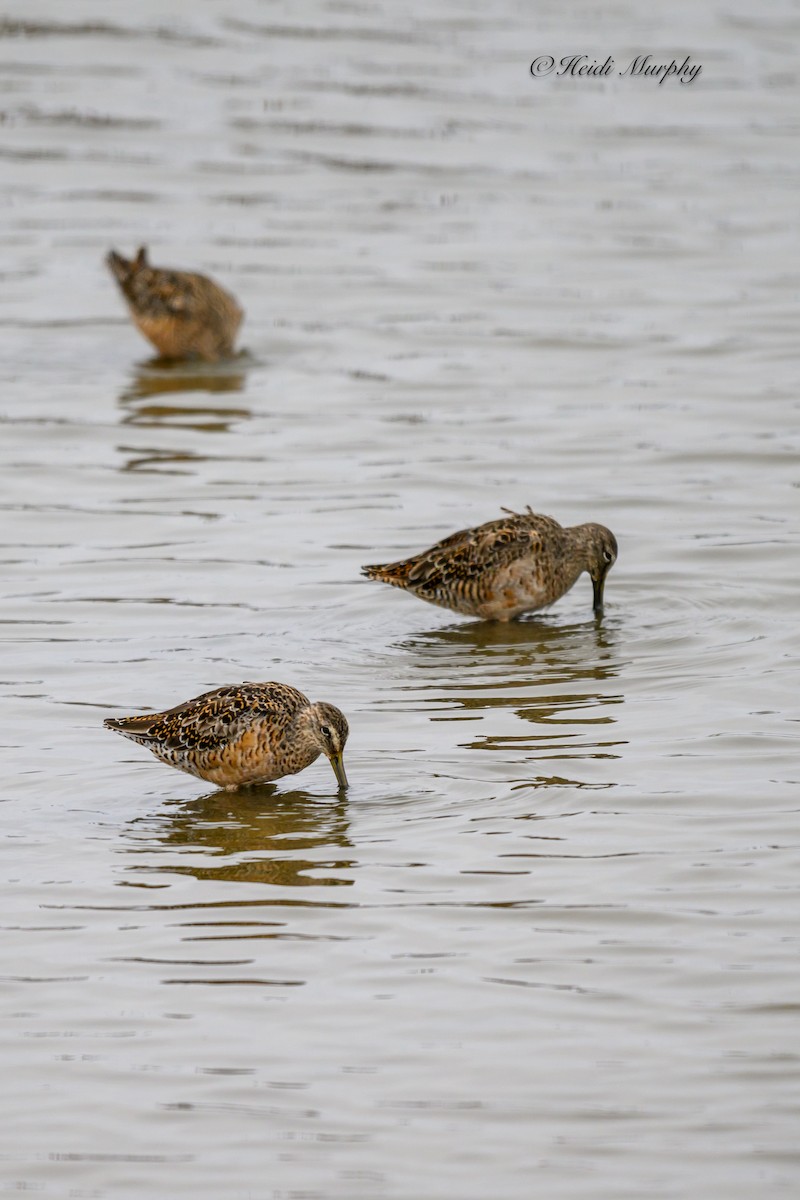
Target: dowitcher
[184,315]
[500,570]
[242,734]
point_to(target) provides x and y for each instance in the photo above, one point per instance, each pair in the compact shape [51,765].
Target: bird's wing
[172,292]
[470,553]
[215,718]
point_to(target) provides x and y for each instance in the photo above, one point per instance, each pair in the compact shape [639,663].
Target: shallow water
[548,942]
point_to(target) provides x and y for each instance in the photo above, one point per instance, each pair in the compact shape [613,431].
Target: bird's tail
[138,728]
[124,269]
[393,573]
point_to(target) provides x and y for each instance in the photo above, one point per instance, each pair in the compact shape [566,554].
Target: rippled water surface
[548,943]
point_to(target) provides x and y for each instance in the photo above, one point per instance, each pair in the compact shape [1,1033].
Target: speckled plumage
[242,734]
[184,315]
[499,571]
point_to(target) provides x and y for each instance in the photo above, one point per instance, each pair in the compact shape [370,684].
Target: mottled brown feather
[500,570]
[243,733]
[184,314]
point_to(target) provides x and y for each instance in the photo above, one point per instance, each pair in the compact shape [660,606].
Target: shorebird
[242,734]
[183,314]
[505,568]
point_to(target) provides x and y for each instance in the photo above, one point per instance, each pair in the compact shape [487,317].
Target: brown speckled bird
[183,314]
[242,734]
[505,568]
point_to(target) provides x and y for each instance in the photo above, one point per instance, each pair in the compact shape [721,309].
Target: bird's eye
[608,556]
[326,729]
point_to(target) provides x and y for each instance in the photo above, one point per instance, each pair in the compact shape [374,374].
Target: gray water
[547,946]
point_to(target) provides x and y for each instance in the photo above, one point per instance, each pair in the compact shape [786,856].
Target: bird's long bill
[337,762]
[598,585]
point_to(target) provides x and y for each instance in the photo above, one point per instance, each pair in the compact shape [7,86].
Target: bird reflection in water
[151,401]
[252,835]
[551,675]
